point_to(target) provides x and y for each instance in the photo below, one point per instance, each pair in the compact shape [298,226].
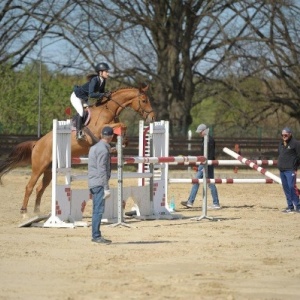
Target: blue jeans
[212,186]
[288,179]
[98,210]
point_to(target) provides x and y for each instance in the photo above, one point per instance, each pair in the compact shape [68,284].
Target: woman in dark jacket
[288,162]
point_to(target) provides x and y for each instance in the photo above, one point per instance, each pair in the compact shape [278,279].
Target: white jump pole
[205,174]
[54,219]
[61,160]
[252,165]
[223,180]
[120,183]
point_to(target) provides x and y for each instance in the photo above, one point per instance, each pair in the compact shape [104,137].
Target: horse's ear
[144,87]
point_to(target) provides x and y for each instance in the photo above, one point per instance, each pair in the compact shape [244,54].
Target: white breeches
[77,104]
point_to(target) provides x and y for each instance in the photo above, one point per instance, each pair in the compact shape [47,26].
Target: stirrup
[80,135]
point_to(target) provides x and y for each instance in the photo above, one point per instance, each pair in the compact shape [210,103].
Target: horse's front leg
[122,126]
[41,189]
[122,131]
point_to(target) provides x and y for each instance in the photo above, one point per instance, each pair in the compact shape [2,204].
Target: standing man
[288,162]
[203,130]
[99,172]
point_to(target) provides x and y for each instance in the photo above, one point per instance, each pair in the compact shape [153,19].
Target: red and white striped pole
[252,165]
[147,160]
[183,161]
[222,180]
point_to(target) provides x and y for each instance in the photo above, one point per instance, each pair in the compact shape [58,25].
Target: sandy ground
[249,251]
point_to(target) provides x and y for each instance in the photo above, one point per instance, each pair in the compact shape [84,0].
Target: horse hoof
[23,210]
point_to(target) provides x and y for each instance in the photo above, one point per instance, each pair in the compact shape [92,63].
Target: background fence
[7,142]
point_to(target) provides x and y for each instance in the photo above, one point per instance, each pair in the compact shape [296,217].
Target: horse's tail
[20,156]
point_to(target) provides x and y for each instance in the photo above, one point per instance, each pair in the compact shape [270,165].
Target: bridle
[143,112]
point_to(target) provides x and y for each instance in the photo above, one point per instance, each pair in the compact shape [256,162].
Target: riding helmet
[101,67]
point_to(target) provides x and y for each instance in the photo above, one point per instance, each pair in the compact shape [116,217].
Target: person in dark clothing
[94,88]
[202,130]
[288,162]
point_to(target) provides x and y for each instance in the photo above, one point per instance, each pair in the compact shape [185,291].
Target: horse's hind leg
[41,188]
[28,190]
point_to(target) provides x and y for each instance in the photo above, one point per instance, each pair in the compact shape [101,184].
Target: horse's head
[142,105]
[135,98]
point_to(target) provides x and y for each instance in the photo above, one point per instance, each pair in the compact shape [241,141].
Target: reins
[121,106]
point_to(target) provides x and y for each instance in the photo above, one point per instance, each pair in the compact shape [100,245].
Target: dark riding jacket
[211,147]
[289,155]
[91,89]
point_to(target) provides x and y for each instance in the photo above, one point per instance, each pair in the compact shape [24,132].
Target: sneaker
[101,240]
[187,204]
[288,210]
[297,210]
[215,206]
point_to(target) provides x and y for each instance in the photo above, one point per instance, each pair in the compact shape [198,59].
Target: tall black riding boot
[79,133]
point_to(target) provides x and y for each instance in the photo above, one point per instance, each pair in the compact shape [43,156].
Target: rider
[94,88]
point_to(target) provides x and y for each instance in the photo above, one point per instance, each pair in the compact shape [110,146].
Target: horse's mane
[123,88]
[98,102]
[117,90]
[142,85]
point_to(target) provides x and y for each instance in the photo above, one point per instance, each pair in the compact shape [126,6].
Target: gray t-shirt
[99,168]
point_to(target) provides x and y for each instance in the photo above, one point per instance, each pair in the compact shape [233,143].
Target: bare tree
[176,44]
[283,61]
[23,24]
[189,50]
[270,57]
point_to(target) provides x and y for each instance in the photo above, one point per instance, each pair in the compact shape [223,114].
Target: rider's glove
[107,94]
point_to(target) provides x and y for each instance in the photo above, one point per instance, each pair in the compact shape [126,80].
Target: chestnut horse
[39,153]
